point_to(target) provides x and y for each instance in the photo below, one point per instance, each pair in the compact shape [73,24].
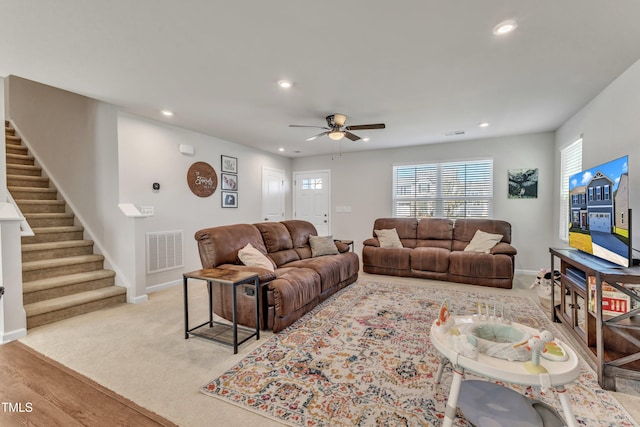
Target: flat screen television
[600,218]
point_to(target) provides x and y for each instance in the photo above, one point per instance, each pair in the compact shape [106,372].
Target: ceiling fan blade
[308,126]
[317,136]
[351,136]
[366,127]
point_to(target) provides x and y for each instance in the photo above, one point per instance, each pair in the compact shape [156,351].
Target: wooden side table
[218,331]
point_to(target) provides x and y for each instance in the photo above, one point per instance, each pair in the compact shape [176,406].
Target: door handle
[266,219]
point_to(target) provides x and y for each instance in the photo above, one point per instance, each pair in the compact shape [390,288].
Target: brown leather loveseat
[298,280]
[434,248]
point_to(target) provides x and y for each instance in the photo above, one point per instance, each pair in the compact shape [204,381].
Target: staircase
[61,275]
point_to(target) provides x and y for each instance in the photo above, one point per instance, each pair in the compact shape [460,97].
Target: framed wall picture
[523,183]
[229,199]
[229,164]
[229,181]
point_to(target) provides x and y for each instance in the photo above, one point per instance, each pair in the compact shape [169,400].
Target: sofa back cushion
[278,242]
[465,229]
[435,232]
[220,245]
[300,232]
[405,227]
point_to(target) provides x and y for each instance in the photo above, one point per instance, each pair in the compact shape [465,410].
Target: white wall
[99,158]
[363,180]
[149,153]
[610,127]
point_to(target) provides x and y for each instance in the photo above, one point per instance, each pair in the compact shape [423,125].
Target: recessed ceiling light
[285,84]
[280,149]
[483,124]
[505,27]
[167,113]
[366,139]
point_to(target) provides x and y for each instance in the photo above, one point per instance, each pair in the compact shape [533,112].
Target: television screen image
[600,222]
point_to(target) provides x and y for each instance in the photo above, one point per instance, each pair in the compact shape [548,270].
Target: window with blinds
[449,190]
[570,164]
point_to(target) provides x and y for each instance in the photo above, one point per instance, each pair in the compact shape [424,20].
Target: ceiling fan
[336,129]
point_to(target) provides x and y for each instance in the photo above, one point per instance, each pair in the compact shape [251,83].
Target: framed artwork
[523,183]
[229,181]
[202,179]
[229,164]
[229,199]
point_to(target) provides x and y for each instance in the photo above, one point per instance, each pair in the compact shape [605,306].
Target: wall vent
[164,251]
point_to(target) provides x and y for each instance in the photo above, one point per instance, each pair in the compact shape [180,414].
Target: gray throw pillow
[322,246]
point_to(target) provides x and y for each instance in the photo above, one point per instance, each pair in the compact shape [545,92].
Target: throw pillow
[388,238]
[322,246]
[252,257]
[483,242]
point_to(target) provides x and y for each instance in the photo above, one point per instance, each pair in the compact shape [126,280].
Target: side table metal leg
[210,289]
[186,308]
[235,320]
[256,284]
[454,393]
[569,418]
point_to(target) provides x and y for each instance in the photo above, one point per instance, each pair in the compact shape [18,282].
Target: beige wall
[610,127]
[363,180]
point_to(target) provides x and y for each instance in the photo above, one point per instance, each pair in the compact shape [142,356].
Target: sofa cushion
[333,269]
[430,259]
[483,242]
[405,227]
[252,257]
[388,238]
[465,229]
[275,235]
[480,265]
[321,246]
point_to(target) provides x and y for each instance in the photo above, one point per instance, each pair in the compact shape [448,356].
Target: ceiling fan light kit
[336,129]
[336,135]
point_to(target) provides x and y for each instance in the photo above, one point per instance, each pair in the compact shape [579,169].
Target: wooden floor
[37,391]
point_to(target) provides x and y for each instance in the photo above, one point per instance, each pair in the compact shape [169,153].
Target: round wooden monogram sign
[202,179]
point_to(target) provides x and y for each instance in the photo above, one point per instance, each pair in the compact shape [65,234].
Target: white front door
[311,198]
[272,194]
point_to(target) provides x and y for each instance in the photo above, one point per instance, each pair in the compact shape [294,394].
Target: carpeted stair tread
[61,303]
[39,202]
[20,158]
[60,262]
[32,179]
[70,279]
[47,215]
[33,193]
[24,170]
[12,138]
[55,245]
[64,229]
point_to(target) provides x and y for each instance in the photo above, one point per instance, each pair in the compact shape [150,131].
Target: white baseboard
[161,286]
[13,335]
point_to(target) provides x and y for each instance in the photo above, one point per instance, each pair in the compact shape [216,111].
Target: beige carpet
[139,351]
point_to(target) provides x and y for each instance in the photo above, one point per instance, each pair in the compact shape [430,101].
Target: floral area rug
[363,358]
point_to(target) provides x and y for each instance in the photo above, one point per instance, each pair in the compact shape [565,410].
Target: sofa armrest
[372,241]
[342,247]
[503,248]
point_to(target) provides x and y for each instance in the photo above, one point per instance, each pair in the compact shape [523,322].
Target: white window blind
[570,164]
[451,190]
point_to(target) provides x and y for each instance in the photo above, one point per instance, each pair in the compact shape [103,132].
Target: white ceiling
[423,67]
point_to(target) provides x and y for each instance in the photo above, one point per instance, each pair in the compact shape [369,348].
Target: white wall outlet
[146,210]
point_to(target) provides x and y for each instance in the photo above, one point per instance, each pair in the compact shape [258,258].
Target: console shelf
[612,342]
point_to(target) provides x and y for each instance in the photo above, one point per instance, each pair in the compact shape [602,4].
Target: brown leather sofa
[299,282]
[433,248]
